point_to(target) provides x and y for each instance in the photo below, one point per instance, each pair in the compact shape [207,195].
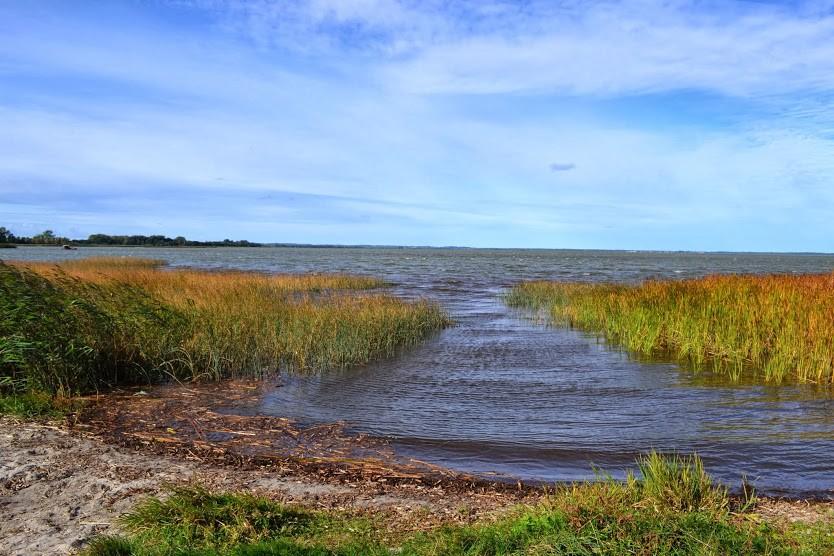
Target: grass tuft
[196,517]
[193,520]
[111,545]
[777,327]
[30,405]
[678,483]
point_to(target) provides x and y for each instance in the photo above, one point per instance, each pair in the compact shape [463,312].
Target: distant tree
[47,236]
[154,240]
[6,236]
[102,239]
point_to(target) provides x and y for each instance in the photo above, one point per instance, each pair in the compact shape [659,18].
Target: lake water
[502,395]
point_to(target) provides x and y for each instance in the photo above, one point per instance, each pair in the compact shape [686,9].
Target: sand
[60,487]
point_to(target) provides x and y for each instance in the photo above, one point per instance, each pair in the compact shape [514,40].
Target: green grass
[64,336]
[30,405]
[670,507]
[774,328]
[678,483]
[193,516]
[193,520]
[88,325]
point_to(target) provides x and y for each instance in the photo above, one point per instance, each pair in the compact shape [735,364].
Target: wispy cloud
[601,48]
[616,54]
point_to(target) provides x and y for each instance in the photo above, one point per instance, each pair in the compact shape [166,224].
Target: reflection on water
[501,394]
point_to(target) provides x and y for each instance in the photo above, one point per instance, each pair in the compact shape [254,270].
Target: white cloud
[616,51]
[570,47]
[207,113]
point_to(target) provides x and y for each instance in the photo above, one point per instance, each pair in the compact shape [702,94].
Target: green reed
[83,326]
[776,327]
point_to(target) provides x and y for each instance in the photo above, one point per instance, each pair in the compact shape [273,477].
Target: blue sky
[633,125]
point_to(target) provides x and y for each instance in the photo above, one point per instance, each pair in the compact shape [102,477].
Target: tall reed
[777,327]
[84,325]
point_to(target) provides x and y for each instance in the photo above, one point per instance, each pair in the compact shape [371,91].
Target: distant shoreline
[74,243]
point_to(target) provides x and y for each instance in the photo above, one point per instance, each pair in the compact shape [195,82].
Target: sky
[668,125]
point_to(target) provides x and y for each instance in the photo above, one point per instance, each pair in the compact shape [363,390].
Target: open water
[500,394]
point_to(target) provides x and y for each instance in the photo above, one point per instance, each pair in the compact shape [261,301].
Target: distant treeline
[160,241]
[48,237]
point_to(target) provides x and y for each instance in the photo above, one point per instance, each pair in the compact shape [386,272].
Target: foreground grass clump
[779,327]
[196,517]
[674,509]
[84,325]
[27,404]
[195,521]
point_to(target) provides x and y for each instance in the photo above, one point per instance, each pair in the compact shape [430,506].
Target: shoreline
[60,486]
[63,483]
[202,421]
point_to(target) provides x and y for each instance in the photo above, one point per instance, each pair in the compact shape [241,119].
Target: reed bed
[178,283]
[774,327]
[84,325]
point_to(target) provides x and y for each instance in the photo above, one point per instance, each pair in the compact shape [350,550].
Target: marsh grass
[775,327]
[670,506]
[85,325]
[63,335]
[197,285]
[679,483]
